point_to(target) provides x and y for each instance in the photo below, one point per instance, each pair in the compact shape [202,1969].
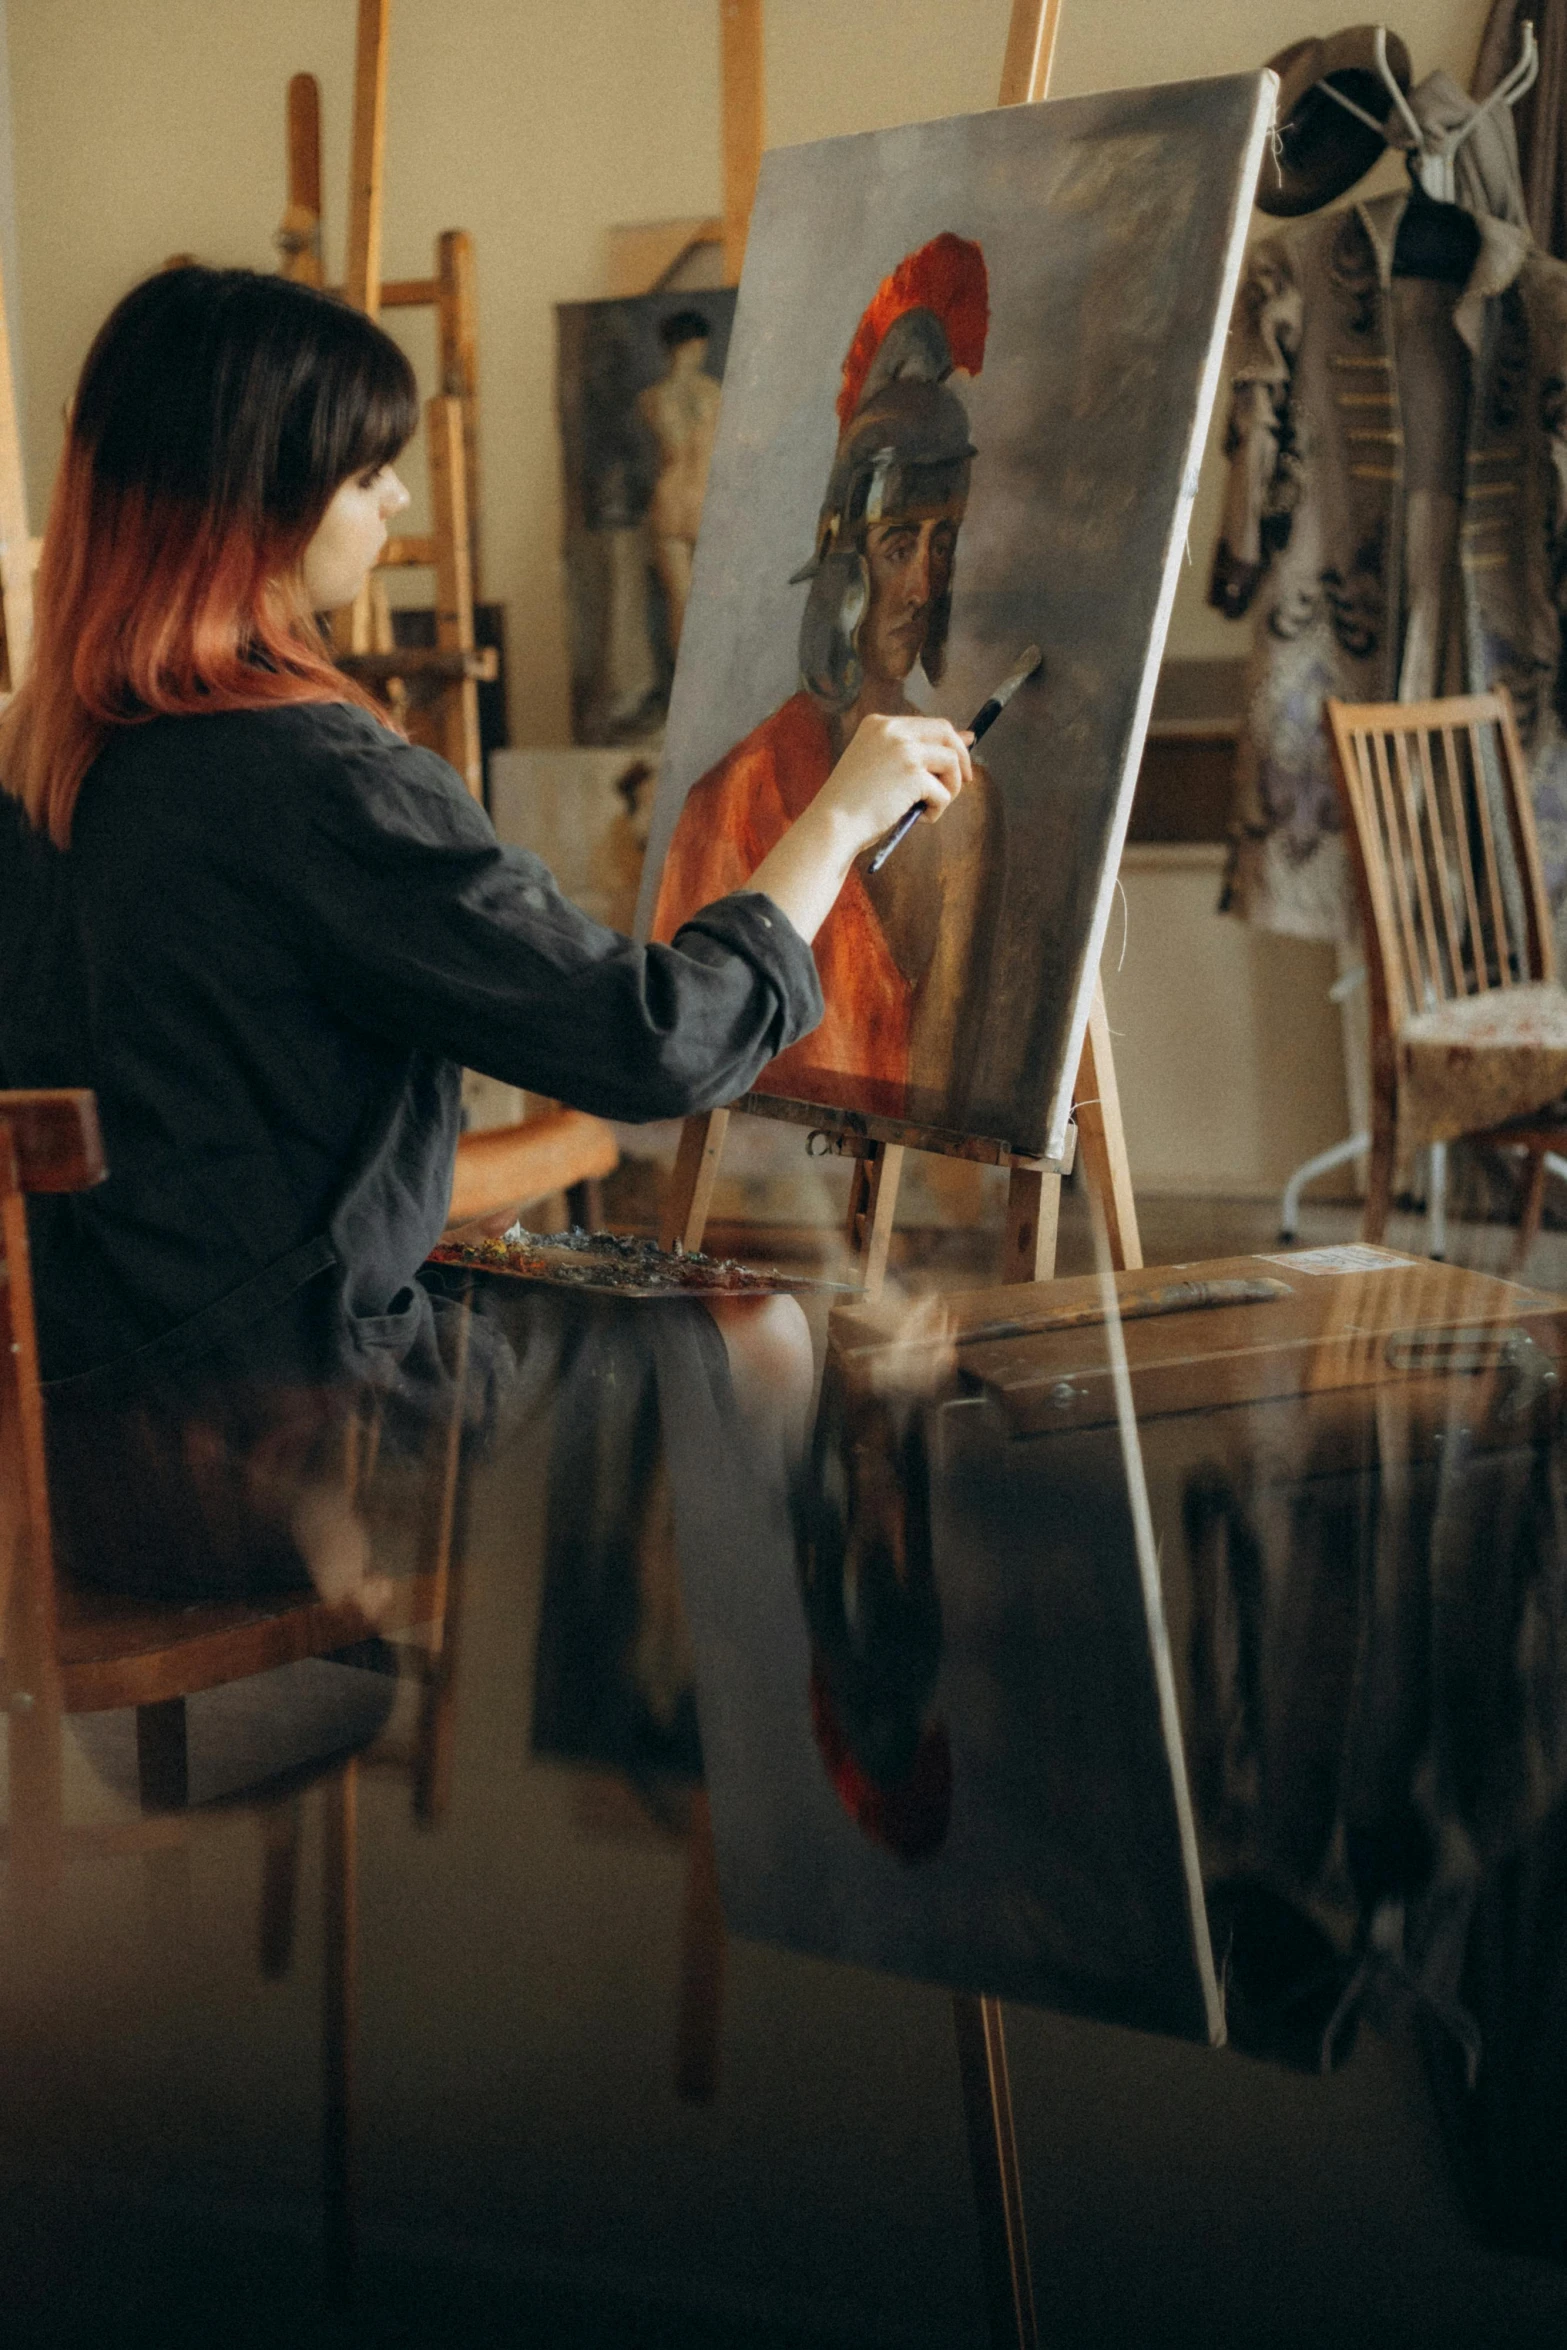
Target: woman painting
[265,929]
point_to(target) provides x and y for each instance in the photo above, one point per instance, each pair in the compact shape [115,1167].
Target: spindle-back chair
[1468,1020]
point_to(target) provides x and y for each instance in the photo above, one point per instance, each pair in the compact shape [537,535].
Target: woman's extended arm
[417,924]
[891,763]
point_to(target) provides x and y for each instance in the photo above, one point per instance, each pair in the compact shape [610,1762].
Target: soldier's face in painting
[910,565]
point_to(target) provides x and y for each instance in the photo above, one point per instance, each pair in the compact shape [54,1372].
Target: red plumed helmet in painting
[947,278]
[904,451]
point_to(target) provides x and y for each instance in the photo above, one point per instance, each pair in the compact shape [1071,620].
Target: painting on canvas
[967,392]
[637,391]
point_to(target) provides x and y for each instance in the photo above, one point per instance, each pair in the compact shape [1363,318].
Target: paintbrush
[984,718]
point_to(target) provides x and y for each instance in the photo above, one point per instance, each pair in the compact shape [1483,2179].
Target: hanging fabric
[1397,501]
[1539,115]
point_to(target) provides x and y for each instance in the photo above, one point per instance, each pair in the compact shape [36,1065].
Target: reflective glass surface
[1181,1657]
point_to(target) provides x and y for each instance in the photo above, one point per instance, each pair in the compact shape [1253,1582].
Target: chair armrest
[55,1139]
[509,1166]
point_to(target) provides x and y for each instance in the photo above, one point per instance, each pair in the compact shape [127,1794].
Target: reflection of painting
[931,1725]
[873,1610]
[612,1674]
[982,355]
[638,395]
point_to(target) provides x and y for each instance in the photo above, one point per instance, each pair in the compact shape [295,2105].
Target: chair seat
[512,1166]
[1480,1061]
[118,1652]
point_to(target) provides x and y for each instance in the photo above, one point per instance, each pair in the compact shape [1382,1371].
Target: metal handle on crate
[1526,1367]
[1458,1350]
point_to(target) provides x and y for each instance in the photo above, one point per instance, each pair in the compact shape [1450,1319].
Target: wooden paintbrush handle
[1135,1305]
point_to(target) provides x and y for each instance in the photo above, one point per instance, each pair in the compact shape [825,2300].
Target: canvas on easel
[969,383]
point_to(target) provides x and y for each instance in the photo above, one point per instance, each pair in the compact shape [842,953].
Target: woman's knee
[771,1359]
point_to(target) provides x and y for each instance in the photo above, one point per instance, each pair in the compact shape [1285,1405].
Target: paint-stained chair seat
[1480,1061]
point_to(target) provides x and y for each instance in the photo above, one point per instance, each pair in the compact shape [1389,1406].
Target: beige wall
[1228,1053]
[146,127]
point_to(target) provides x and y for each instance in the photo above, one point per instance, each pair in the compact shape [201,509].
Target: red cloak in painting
[730,820]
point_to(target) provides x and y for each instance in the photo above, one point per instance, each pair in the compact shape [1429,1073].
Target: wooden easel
[876,1145]
[451,669]
[18,551]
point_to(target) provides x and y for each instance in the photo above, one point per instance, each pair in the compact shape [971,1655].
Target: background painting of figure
[637,391]
[979,358]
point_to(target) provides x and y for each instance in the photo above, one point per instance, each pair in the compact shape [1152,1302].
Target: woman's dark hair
[217,414]
[684,326]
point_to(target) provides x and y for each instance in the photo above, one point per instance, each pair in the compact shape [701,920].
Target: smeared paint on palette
[617,1264]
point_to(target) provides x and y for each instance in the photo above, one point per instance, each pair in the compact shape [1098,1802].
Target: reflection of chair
[73,1650]
[65,1650]
[1468,1022]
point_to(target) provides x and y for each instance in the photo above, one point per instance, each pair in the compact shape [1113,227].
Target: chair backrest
[1452,894]
[48,1142]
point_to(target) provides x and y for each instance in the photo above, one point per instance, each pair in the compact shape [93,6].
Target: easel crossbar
[849,1133]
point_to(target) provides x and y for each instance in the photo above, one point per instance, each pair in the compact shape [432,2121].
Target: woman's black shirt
[275,941]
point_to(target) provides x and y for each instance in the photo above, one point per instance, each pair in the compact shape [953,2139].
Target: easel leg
[691,1186]
[1533,1210]
[1031,45]
[702,1951]
[281,1824]
[453,584]
[998,2192]
[1380,1167]
[16,558]
[1033,1215]
[446,1551]
[873,1208]
[366,187]
[300,236]
[1102,1139]
[339,1973]
[740,50]
[456,310]
[367,169]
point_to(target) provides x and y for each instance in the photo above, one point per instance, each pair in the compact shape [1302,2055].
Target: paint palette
[617,1264]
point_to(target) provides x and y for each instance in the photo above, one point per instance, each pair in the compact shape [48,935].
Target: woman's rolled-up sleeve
[417,923]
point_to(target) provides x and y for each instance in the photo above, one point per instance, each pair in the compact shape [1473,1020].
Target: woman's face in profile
[910,565]
[349,536]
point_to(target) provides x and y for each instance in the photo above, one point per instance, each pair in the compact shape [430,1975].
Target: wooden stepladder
[878,1147]
[432,689]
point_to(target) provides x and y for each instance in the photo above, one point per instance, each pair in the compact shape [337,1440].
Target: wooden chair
[501,1170]
[66,1649]
[1468,1020]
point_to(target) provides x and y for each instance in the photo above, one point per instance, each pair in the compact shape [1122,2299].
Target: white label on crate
[1351,1256]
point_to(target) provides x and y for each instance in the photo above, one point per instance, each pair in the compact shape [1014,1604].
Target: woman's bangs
[382,410]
